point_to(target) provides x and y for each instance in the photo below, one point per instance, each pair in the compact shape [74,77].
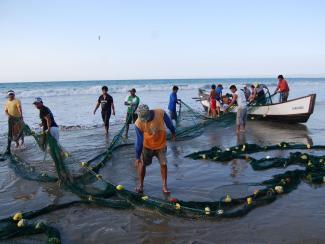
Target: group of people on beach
[150,124]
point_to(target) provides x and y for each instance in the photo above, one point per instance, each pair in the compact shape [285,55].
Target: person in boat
[247,92]
[132,102]
[239,97]
[107,105]
[14,111]
[173,101]
[282,89]
[48,123]
[151,142]
[213,102]
[219,98]
[258,94]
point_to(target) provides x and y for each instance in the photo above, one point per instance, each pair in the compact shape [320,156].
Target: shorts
[173,115]
[148,154]
[54,131]
[283,97]
[106,115]
[131,118]
[213,104]
[241,116]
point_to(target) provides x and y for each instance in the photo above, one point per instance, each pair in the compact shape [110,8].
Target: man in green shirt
[132,102]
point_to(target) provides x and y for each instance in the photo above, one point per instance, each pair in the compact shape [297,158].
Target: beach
[293,218]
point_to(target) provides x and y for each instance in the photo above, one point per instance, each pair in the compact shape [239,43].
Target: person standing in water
[48,123]
[240,98]
[14,112]
[283,89]
[132,102]
[107,105]
[173,100]
[151,142]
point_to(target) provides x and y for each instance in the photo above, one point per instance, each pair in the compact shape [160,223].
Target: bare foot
[165,190]
[139,189]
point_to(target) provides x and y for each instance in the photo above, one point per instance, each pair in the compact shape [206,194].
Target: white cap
[37,100]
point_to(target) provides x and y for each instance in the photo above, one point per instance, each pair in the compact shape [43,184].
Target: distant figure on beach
[173,100]
[283,89]
[213,102]
[107,105]
[14,112]
[151,142]
[132,102]
[239,97]
[48,123]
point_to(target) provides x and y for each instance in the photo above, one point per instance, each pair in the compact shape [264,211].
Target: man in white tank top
[240,98]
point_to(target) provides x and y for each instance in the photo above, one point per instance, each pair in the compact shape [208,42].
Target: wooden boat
[297,110]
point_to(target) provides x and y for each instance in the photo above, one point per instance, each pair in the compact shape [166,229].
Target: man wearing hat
[47,118]
[14,112]
[151,133]
[132,102]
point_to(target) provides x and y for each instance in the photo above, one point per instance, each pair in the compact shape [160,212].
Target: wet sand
[296,217]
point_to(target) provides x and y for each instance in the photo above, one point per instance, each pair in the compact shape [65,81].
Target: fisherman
[247,92]
[151,142]
[132,102]
[258,94]
[219,98]
[283,89]
[239,97]
[14,112]
[213,102]
[107,105]
[173,100]
[48,123]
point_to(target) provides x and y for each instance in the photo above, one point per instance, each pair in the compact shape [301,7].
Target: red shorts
[213,104]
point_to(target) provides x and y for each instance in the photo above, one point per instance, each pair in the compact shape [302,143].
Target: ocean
[294,218]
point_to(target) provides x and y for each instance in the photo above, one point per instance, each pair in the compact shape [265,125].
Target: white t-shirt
[241,99]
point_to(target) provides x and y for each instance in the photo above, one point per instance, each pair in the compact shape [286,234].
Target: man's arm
[138,143]
[6,111]
[97,106]
[234,99]
[48,122]
[169,124]
[20,109]
[277,88]
[113,108]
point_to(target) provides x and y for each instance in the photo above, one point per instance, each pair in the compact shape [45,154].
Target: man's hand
[114,112]
[137,162]
[94,111]
[173,137]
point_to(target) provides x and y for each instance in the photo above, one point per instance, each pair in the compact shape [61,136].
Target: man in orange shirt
[151,142]
[283,89]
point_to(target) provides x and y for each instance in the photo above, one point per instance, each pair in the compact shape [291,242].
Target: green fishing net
[83,178]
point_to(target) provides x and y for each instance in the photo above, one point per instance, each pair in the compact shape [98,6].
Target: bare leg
[163,171]
[141,175]
[106,130]
[127,130]
[238,129]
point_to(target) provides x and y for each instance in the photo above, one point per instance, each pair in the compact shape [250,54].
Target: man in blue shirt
[172,104]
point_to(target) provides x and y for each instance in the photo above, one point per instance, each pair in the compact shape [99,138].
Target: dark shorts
[283,97]
[106,115]
[173,115]
[131,118]
[148,154]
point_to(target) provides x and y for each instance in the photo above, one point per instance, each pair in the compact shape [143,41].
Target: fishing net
[83,178]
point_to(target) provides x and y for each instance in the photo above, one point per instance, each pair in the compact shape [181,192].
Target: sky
[44,40]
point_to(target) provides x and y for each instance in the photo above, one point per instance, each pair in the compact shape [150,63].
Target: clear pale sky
[58,40]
